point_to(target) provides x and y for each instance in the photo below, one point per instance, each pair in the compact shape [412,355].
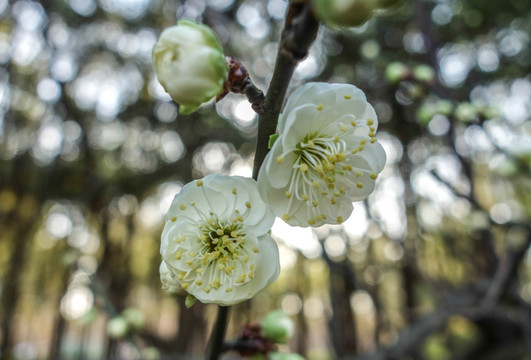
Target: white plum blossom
[326,155]
[169,283]
[190,64]
[216,240]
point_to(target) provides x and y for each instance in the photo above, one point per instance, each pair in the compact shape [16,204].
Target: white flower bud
[190,64]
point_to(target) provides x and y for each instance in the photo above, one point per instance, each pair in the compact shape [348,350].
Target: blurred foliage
[92,152]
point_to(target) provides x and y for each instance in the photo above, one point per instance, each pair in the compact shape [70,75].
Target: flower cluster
[216,245]
[215,242]
[326,155]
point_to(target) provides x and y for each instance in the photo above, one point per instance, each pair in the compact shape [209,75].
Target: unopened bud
[348,13]
[277,326]
[190,64]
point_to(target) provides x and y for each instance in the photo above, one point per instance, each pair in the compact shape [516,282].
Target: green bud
[347,13]
[466,112]
[190,65]
[444,107]
[285,356]
[277,326]
[134,318]
[117,327]
[396,71]
[424,73]
[425,112]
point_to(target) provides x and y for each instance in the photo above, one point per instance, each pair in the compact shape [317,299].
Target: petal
[277,174]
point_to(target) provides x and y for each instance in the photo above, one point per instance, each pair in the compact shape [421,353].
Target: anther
[373,176]
[285,217]
[304,167]
[199,183]
[311,222]
[347,97]
[182,207]
[339,219]
[247,204]
[288,194]
[319,107]
[280,159]
[174,219]
[359,185]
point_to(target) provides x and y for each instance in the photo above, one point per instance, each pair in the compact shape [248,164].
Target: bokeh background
[92,151]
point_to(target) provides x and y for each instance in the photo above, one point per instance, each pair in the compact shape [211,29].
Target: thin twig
[218,334]
[300,30]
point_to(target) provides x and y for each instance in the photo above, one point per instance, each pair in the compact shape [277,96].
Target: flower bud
[190,64]
[277,326]
[117,327]
[343,12]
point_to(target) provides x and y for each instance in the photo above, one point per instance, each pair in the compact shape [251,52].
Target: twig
[218,334]
[300,30]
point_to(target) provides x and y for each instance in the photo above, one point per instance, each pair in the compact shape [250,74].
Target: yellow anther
[372,129]
[358,173]
[372,134]
[311,222]
[280,159]
[207,290]
[361,148]
[304,167]
[319,107]
[354,151]
[191,254]
[247,204]
[234,234]
[311,144]
[323,216]
[339,219]
[333,201]
[199,282]
[337,193]
[319,169]
[315,184]
[347,97]
[353,123]
[255,249]
[359,185]
[241,279]
[342,189]
[331,186]
[234,191]
[246,259]
[199,270]
[324,193]
[373,140]
[181,276]
[305,197]
[315,203]
[185,286]
[179,255]
[221,266]
[336,139]
[220,232]
[285,217]
[174,219]
[343,128]
[192,204]
[373,175]
[318,218]
[228,290]
[199,183]
[288,194]
[363,141]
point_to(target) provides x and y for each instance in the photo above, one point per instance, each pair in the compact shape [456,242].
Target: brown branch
[300,30]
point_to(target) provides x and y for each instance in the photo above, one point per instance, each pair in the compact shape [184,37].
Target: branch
[300,30]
